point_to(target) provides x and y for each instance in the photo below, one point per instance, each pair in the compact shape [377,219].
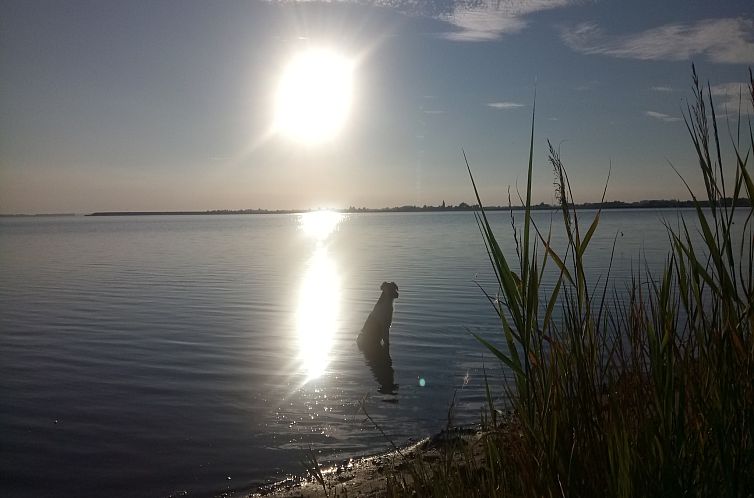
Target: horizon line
[462,206]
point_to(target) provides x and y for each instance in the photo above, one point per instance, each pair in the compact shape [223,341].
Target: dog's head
[390,288]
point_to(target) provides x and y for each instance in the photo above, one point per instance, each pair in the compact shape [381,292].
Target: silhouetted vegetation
[650,396]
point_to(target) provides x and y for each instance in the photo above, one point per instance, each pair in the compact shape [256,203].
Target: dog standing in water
[376,330]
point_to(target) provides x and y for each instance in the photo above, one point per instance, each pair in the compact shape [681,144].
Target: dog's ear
[394,288]
[384,286]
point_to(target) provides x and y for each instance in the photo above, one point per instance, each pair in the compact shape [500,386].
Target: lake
[160,355]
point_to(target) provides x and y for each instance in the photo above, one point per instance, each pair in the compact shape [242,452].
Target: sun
[313,97]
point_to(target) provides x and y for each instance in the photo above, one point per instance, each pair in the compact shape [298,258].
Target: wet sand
[368,477]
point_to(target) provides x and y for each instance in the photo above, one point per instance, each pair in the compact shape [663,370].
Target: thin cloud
[588,86]
[504,105]
[470,20]
[728,40]
[482,25]
[432,111]
[488,21]
[728,96]
[662,117]
[662,89]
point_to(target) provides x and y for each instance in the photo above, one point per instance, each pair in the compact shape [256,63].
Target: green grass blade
[509,361]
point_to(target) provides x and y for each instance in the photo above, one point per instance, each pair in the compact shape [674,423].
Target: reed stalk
[649,393]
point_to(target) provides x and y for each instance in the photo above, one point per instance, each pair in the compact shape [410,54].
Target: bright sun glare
[314,96]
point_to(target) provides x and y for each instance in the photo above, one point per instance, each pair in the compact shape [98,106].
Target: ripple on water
[146,355]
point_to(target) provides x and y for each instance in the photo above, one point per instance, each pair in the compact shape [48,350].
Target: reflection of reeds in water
[378,360]
[653,396]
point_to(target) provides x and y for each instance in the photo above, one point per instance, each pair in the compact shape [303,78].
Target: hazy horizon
[118,106]
[396,208]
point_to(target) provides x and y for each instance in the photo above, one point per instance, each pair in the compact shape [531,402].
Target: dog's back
[376,329]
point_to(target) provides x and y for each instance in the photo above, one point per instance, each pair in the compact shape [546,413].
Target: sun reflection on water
[318,309]
[320,224]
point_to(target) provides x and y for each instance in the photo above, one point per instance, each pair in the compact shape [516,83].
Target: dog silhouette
[376,330]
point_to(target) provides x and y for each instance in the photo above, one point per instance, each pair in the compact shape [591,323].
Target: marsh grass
[650,393]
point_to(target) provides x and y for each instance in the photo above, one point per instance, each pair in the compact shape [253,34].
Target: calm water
[148,356]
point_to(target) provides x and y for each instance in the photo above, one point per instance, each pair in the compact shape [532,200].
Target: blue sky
[167,105]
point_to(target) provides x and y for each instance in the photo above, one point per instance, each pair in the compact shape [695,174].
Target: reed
[650,393]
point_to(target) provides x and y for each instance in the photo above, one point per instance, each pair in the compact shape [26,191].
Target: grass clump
[650,393]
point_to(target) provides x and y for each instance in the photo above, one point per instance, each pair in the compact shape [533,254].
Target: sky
[171,104]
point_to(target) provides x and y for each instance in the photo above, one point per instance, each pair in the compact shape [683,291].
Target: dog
[376,330]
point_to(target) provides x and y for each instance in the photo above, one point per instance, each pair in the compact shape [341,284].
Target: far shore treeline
[646,204]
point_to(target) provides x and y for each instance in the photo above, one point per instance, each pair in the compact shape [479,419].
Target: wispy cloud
[433,111]
[728,96]
[662,89]
[728,40]
[588,86]
[469,20]
[487,21]
[504,105]
[482,25]
[662,117]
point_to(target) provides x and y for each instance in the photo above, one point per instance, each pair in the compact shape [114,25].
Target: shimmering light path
[319,296]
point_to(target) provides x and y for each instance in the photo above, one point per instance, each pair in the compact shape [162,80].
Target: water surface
[149,356]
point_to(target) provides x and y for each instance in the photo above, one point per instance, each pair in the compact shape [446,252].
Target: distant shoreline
[645,204]
[37,215]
